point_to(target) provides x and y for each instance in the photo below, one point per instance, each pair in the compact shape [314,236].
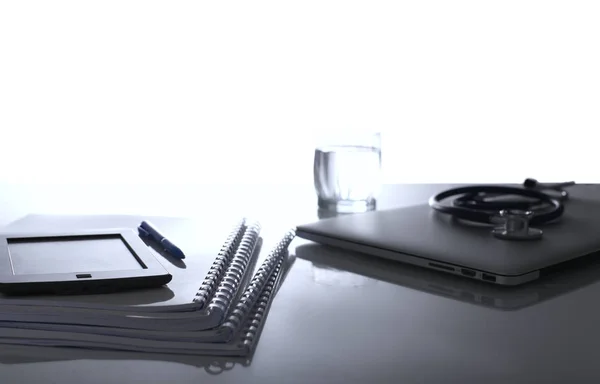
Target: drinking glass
[347,171]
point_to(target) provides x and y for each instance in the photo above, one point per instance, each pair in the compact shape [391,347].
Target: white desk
[328,325]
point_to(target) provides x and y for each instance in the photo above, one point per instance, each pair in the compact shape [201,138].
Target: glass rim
[349,139]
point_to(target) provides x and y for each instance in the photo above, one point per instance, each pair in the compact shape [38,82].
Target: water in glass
[347,177]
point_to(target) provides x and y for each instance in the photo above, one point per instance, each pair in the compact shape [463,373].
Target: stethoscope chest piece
[516,226]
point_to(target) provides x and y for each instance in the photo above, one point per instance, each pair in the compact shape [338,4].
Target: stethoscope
[539,203]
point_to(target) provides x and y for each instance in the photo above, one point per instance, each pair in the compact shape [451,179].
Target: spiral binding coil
[215,274]
[258,284]
[228,286]
[252,327]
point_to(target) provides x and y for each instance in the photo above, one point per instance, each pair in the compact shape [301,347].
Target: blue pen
[147,230]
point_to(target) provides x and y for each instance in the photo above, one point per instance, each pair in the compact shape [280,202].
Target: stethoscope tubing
[487,213]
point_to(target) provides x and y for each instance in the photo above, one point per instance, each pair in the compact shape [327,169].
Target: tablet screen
[73,254]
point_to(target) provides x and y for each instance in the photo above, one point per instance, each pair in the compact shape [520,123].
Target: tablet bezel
[152,272]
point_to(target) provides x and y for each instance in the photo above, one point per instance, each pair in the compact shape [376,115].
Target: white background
[192,91]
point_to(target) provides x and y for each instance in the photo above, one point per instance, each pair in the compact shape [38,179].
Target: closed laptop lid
[420,231]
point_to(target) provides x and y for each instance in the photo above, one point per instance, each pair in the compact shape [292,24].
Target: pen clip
[143,232]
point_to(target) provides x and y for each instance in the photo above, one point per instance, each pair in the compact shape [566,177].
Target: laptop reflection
[507,298]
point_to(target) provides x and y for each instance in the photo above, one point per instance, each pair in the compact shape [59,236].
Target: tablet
[77,263]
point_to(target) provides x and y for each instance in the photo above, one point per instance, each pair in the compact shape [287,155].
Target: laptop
[421,236]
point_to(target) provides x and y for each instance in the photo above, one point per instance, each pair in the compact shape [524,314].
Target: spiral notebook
[224,317]
[261,284]
[237,336]
[207,310]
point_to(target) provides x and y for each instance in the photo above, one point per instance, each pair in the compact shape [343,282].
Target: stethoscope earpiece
[530,183]
[556,187]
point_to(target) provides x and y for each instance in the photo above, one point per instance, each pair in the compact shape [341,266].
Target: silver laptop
[420,236]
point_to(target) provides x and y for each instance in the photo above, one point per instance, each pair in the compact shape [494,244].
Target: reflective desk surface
[340,317]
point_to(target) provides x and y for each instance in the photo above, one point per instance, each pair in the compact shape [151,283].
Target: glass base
[347,206]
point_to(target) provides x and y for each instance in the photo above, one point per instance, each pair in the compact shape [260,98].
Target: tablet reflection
[146,296]
[483,294]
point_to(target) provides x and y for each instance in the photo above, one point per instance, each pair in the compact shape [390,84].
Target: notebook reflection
[21,354]
[559,283]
